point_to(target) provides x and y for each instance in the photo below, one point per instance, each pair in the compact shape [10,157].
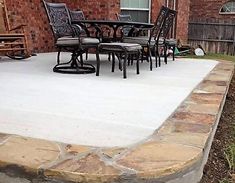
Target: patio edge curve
[175,153]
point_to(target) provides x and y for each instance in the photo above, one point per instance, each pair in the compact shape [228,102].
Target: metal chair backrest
[157,29]
[168,24]
[59,19]
[76,15]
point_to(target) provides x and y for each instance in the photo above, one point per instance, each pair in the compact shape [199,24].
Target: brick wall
[156,5]
[33,14]
[207,9]
[183,10]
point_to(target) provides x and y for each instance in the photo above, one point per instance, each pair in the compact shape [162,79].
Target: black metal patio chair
[165,41]
[68,38]
[79,15]
[151,42]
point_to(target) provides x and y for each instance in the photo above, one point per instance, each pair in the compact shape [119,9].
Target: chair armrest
[140,31]
[77,29]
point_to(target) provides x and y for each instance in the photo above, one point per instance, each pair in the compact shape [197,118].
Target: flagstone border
[175,153]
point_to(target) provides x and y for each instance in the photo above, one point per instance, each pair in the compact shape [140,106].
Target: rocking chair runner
[13,42]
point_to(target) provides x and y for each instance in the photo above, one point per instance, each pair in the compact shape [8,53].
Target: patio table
[114,25]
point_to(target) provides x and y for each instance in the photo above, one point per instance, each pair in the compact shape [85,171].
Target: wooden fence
[217,36]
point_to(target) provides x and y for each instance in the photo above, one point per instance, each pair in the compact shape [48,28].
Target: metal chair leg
[113,62]
[173,54]
[165,54]
[97,63]
[156,54]
[81,60]
[58,56]
[124,66]
[150,59]
[137,63]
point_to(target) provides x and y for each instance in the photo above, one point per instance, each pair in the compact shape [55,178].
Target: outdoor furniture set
[69,28]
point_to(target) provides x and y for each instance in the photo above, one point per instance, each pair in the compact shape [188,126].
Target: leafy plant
[230,156]
[225,181]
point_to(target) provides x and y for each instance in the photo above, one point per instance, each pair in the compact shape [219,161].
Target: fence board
[213,35]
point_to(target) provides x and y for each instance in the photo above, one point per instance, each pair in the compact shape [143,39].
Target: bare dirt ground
[217,168]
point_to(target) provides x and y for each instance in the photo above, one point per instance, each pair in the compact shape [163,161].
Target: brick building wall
[205,9]
[33,14]
[155,7]
[39,33]
[183,9]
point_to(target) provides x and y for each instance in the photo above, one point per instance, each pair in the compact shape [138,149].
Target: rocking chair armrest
[18,27]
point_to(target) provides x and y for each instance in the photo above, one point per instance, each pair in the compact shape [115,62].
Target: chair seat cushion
[143,41]
[171,42]
[74,41]
[67,41]
[89,40]
[120,46]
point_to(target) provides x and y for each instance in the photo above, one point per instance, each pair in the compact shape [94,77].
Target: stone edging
[175,153]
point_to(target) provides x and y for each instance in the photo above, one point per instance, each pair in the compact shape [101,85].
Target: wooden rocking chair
[13,41]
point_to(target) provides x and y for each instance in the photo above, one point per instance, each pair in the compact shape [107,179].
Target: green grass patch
[214,56]
[225,181]
[230,156]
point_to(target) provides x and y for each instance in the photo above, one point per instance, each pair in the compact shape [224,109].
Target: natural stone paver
[211,88]
[218,77]
[112,152]
[217,83]
[92,164]
[194,117]
[199,108]
[189,139]
[224,66]
[28,152]
[77,149]
[183,127]
[206,98]
[192,127]
[74,170]
[152,156]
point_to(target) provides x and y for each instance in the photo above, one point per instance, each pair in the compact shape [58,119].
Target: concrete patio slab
[103,111]
[175,152]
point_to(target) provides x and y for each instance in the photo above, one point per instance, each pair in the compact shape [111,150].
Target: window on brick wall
[228,8]
[138,9]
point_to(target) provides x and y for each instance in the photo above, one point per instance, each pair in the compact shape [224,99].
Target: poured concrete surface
[89,110]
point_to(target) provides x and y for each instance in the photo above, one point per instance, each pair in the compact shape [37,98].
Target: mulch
[217,167]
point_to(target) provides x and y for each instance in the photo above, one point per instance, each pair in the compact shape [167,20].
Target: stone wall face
[208,9]
[40,37]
